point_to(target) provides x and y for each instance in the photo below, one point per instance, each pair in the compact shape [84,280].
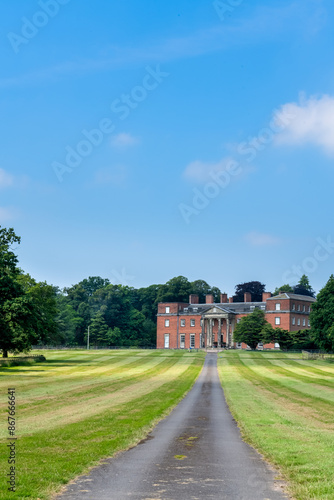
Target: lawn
[79,407]
[284,406]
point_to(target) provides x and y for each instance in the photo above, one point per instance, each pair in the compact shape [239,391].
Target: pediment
[216,310]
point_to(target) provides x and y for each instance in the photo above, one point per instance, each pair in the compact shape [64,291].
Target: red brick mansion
[193,325]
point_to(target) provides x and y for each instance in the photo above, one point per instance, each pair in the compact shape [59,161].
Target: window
[277,307]
[298,307]
[308,309]
[277,320]
[293,307]
[192,341]
[309,323]
[298,322]
[167,309]
[238,320]
[293,320]
[195,309]
[166,322]
[166,340]
[183,322]
[304,322]
[182,341]
[192,322]
[304,308]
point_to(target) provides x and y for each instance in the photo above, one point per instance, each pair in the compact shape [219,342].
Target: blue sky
[146,140]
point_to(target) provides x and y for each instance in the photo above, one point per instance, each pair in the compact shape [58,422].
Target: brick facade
[193,325]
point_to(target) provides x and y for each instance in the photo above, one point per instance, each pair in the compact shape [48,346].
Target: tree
[250,327]
[255,288]
[18,314]
[303,287]
[322,317]
[272,335]
[176,289]
[284,288]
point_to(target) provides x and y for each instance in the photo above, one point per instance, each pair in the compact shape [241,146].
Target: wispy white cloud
[6,179]
[124,140]
[313,123]
[200,171]
[257,239]
[111,176]
[265,22]
[7,214]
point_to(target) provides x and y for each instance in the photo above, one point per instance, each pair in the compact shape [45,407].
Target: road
[195,453]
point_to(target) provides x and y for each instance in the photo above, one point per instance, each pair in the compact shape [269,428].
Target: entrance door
[166,340]
[182,341]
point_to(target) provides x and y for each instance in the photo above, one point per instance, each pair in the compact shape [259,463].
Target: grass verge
[284,408]
[103,402]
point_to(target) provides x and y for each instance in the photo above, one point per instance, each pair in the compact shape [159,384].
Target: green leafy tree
[177,289]
[272,335]
[249,329]
[18,314]
[303,287]
[98,332]
[322,317]
[284,288]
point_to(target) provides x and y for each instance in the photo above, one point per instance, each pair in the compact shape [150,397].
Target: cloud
[124,140]
[313,123]
[6,179]
[265,23]
[111,175]
[201,171]
[257,239]
[7,214]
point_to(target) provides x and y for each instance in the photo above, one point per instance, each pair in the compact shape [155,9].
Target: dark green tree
[255,288]
[284,288]
[322,317]
[19,328]
[303,287]
[249,329]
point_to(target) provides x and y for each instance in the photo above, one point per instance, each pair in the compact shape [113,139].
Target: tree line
[37,313]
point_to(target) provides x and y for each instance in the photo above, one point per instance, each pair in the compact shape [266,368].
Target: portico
[217,327]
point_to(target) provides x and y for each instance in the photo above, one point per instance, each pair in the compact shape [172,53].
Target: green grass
[79,407]
[284,406]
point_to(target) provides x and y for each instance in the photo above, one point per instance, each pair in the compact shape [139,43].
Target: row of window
[182,341]
[182,322]
[278,321]
[278,307]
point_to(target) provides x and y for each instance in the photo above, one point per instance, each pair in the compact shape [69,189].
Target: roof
[294,296]
[234,307]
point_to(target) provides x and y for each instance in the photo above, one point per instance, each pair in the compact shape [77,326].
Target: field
[285,408]
[79,406]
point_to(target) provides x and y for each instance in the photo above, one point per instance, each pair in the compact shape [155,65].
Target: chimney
[193,299]
[230,300]
[223,298]
[209,299]
[247,297]
[265,296]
